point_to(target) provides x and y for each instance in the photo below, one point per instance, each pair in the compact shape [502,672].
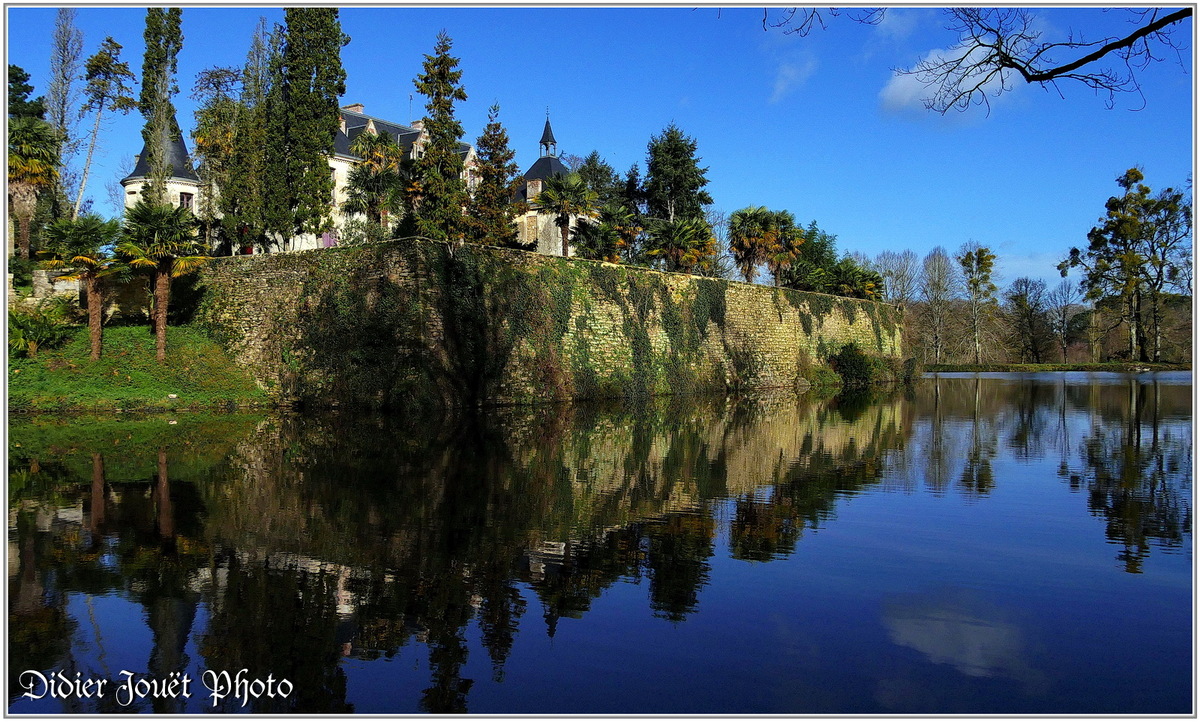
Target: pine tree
[601,178]
[674,179]
[19,104]
[302,108]
[440,165]
[491,210]
[107,89]
[163,38]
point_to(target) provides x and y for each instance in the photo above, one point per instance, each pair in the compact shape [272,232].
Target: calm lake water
[993,543]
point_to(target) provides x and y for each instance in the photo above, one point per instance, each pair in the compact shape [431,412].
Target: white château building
[184,186]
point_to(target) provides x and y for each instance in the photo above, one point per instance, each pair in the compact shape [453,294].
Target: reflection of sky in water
[958,630]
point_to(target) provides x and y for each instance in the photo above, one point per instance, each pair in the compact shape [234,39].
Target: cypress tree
[491,210]
[443,193]
[303,119]
[163,38]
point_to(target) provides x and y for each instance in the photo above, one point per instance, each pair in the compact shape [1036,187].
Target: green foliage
[39,327]
[566,197]
[490,212]
[197,371]
[19,104]
[108,87]
[163,38]
[231,138]
[684,244]
[377,184]
[443,193]
[302,121]
[34,147]
[674,179]
[600,177]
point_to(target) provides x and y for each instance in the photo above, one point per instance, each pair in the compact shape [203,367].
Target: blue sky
[817,125]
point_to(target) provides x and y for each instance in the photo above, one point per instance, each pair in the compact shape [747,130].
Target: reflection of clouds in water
[957,628]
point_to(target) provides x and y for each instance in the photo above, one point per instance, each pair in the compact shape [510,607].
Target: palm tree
[33,148]
[376,184]
[566,196]
[781,246]
[597,242]
[748,236]
[687,244]
[161,238]
[85,243]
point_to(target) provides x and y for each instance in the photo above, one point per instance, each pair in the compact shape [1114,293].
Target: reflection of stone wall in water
[584,474]
[444,325]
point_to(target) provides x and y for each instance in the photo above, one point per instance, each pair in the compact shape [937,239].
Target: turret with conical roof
[182,181]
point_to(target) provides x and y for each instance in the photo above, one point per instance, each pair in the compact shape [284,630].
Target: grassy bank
[1118,366]
[197,372]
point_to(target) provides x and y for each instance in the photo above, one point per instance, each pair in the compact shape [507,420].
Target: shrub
[854,366]
[45,325]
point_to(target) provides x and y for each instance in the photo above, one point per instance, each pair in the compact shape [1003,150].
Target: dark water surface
[993,543]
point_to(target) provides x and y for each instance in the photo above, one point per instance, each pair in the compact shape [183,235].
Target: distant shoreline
[1116,366]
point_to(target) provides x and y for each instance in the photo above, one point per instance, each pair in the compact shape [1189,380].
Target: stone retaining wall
[437,324]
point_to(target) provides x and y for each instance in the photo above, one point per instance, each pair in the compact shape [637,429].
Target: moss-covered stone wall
[432,324]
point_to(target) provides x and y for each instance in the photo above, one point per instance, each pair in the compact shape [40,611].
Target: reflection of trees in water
[318,538]
[1127,444]
[1138,477]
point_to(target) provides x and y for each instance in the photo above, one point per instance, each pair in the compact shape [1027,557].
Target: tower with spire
[537,228]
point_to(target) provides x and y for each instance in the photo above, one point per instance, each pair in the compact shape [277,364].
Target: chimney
[353,107]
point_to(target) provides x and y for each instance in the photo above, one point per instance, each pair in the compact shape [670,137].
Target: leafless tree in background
[997,47]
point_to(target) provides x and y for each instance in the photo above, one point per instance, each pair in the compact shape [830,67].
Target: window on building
[185,200]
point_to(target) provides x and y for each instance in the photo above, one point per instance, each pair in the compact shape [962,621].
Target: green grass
[1120,366]
[197,371]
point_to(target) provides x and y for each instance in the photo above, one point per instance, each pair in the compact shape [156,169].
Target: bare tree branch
[997,46]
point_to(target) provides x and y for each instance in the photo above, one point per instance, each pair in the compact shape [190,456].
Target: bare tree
[114,189]
[62,98]
[998,47]
[1061,304]
[938,280]
[901,272]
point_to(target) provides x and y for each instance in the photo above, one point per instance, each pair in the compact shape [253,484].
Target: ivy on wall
[435,325]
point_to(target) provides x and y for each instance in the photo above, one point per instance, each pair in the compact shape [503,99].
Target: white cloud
[897,24]
[791,74]
[905,94]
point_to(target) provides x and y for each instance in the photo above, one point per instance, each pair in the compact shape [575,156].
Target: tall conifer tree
[443,193]
[164,38]
[302,110]
[674,179]
[491,210]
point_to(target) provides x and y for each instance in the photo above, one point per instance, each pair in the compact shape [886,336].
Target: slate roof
[548,135]
[181,164]
[405,136]
[546,166]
